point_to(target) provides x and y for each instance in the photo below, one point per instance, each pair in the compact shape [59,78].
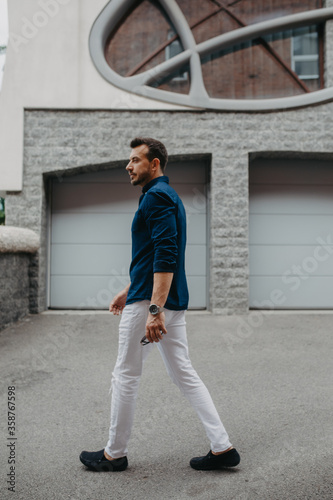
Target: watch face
[153,309]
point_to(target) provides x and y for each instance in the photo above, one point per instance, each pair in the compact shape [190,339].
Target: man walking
[153,305]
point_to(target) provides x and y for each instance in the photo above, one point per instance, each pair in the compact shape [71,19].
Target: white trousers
[128,369]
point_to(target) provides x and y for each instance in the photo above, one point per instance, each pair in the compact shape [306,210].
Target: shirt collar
[162,178]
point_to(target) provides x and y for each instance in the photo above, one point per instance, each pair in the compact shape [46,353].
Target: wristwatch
[154,309]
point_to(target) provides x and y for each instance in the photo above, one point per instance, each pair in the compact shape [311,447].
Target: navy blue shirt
[158,244]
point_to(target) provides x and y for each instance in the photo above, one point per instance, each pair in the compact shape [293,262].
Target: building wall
[58,115]
[48,65]
[57,142]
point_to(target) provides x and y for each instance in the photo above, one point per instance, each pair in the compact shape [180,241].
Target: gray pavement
[270,377]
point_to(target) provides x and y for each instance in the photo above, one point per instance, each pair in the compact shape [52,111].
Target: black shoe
[212,462]
[95,460]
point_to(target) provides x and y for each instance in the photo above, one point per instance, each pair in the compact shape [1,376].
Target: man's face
[139,167]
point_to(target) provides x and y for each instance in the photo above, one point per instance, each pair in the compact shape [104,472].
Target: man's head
[147,160]
[156,149]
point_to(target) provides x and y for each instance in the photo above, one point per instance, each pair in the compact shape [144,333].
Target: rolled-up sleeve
[160,216]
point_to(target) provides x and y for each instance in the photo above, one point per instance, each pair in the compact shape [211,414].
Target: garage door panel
[91,228]
[292,200]
[87,198]
[113,175]
[193,197]
[187,171]
[195,262]
[198,291]
[289,229]
[90,259]
[289,171]
[280,259]
[196,229]
[294,293]
[85,292]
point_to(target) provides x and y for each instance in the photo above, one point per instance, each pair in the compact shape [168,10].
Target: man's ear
[155,164]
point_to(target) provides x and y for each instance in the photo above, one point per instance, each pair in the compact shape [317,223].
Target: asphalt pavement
[270,376]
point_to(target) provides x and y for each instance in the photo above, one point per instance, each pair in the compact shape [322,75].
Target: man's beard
[140,178]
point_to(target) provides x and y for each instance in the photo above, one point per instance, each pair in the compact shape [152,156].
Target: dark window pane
[305,41]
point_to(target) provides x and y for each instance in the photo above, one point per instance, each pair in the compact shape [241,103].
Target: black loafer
[230,458]
[96,461]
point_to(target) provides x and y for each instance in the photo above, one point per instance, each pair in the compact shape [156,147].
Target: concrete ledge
[18,240]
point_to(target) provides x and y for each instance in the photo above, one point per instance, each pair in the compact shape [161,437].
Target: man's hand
[155,327]
[118,303]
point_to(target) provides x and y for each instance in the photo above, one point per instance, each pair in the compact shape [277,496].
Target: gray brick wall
[14,287]
[62,141]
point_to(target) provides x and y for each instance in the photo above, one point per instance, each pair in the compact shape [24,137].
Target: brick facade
[64,142]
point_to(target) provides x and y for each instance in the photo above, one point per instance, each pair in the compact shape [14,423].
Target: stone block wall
[14,287]
[18,274]
[62,142]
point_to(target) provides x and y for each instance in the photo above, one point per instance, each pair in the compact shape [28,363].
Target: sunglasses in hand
[145,341]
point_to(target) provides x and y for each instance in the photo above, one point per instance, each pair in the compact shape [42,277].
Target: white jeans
[128,369]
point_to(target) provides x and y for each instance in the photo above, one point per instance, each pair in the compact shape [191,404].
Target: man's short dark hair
[156,149]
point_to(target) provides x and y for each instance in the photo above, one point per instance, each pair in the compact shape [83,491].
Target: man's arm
[156,324]
[160,216]
[118,303]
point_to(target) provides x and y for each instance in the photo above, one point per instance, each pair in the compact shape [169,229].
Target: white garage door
[91,218]
[291,234]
